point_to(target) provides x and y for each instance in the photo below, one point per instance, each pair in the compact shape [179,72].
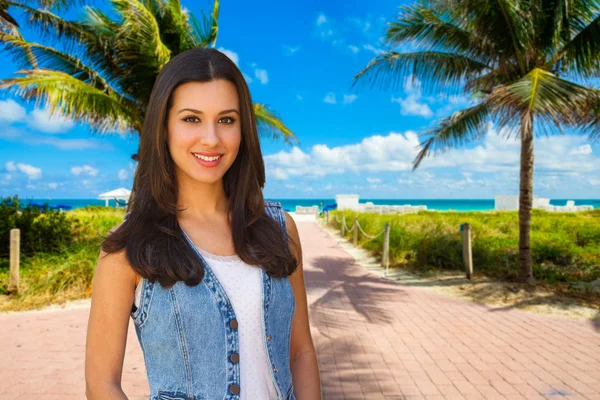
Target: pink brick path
[375,340]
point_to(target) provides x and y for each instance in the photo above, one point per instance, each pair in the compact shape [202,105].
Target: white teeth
[206,158]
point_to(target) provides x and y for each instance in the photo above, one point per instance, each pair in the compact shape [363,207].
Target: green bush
[42,229]
[565,246]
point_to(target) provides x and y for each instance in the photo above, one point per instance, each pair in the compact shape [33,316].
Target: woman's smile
[208,161]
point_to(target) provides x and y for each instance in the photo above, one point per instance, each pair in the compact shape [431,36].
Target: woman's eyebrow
[201,112]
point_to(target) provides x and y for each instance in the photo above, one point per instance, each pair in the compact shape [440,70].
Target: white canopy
[120,193]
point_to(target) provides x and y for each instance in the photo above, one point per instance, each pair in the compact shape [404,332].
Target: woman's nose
[209,135]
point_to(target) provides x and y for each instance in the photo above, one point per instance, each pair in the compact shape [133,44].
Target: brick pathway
[375,340]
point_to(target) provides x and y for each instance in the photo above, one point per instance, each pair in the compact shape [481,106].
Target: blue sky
[299,58]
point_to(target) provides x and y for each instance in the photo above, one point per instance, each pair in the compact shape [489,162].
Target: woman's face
[204,123]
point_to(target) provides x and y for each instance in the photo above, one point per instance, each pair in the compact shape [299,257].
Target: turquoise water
[290,204]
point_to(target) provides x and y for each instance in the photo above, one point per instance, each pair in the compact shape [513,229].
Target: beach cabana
[117,194]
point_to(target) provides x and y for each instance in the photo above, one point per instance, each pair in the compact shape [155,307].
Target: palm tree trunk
[526,198]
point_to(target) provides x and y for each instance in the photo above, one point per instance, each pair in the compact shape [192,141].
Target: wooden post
[343,224]
[467,252]
[355,231]
[15,249]
[385,258]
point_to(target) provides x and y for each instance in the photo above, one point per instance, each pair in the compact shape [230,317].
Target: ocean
[290,204]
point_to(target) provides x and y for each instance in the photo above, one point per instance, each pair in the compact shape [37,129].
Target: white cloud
[68,144]
[123,174]
[373,49]
[84,170]
[353,48]
[27,169]
[325,30]
[10,166]
[411,105]
[261,75]
[450,104]
[484,169]
[248,79]
[12,111]
[17,135]
[233,56]
[393,152]
[290,50]
[321,19]
[41,120]
[581,150]
[349,98]
[280,174]
[52,185]
[329,98]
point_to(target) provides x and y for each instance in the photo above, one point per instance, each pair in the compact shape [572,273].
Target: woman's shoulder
[116,263]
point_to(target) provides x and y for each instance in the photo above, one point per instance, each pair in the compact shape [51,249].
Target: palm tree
[103,75]
[519,59]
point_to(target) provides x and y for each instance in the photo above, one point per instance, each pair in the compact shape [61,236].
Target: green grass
[66,274]
[565,246]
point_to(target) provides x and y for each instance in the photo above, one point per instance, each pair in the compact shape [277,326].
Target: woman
[209,271]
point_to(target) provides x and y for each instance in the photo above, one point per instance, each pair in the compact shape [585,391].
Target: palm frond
[203,33]
[433,31]
[271,125]
[45,57]
[548,98]
[591,116]
[501,24]
[48,25]
[23,57]
[7,22]
[140,28]
[460,128]
[434,69]
[72,98]
[581,54]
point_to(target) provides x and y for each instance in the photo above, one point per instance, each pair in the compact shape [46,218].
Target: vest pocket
[174,396]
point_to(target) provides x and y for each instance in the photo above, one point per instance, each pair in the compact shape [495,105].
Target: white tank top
[243,285]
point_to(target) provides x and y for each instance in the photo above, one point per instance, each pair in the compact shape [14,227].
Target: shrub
[42,229]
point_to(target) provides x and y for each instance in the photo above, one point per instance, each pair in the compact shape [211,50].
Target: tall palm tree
[520,60]
[104,72]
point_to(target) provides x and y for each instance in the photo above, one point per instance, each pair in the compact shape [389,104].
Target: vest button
[269,337]
[235,358]
[275,370]
[233,324]
[234,389]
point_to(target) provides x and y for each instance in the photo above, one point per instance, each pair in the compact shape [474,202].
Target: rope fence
[465,230]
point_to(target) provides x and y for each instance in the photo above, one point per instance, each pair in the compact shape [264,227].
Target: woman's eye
[190,118]
[193,119]
[232,120]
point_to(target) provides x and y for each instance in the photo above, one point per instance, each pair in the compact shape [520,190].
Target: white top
[243,284]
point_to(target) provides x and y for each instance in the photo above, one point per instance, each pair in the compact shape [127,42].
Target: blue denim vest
[188,334]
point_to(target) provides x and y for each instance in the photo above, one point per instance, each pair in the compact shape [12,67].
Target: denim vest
[189,336]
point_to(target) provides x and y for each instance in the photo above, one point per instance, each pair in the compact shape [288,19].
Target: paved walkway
[375,340]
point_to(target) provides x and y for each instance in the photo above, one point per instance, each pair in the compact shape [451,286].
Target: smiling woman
[202,264]
[216,124]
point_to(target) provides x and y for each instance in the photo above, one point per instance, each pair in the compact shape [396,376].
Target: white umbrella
[120,193]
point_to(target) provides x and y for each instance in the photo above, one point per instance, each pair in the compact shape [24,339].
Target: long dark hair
[154,243]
